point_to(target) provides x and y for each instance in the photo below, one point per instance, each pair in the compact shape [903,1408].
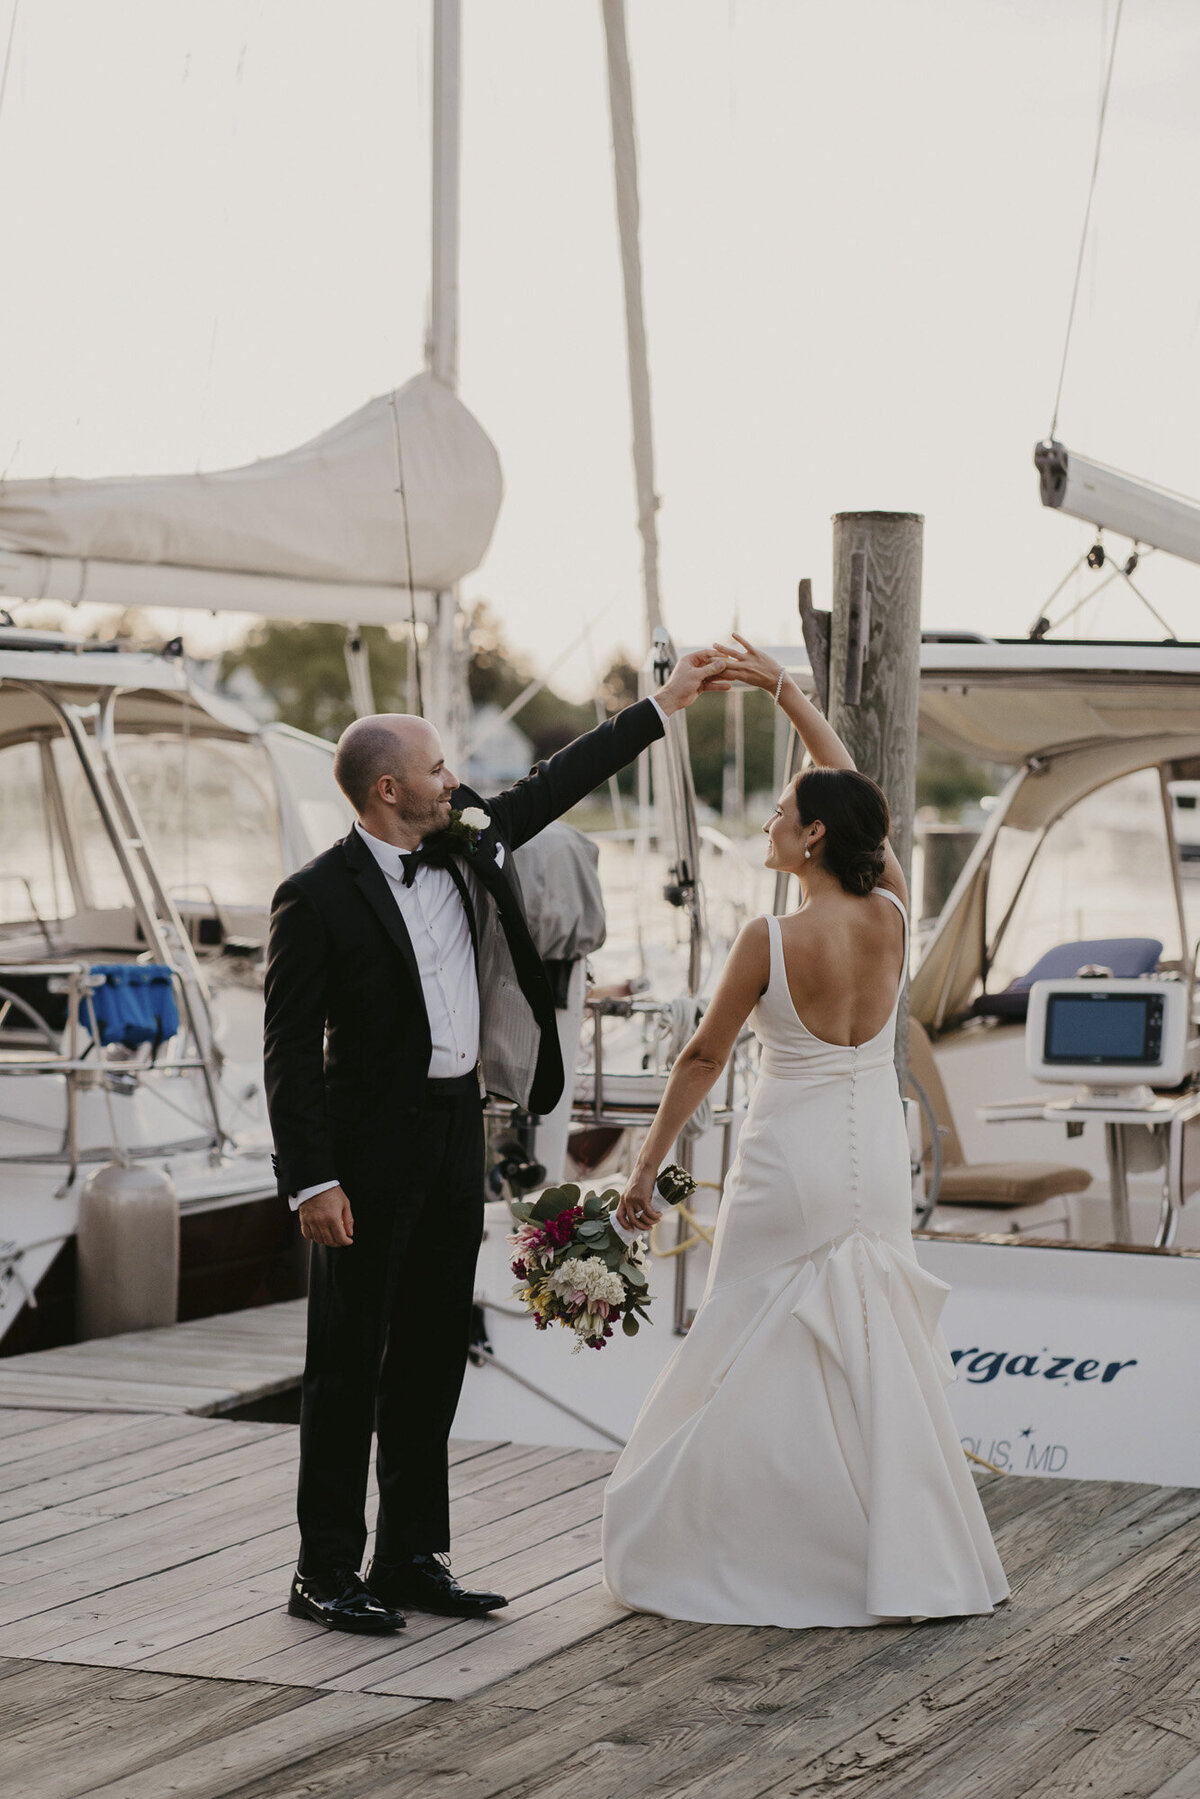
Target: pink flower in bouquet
[560,1230]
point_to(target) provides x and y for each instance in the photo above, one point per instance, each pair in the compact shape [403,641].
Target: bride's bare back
[844,955]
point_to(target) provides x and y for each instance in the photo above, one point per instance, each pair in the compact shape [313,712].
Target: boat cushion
[135,1003]
[1127,957]
[1009,1183]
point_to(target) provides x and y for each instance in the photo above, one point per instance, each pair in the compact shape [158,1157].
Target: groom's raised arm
[554,786]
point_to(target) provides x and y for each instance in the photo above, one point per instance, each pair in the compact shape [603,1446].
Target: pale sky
[860,223]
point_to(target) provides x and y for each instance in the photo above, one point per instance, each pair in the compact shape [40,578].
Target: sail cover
[316,532]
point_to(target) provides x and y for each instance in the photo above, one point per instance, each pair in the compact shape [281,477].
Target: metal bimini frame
[162,929]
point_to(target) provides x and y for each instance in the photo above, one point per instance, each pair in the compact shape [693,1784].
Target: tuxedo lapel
[372,883]
[482,864]
[456,875]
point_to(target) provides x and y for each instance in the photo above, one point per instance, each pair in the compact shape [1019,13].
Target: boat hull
[244,1252]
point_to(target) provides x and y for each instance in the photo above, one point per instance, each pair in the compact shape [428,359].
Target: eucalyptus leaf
[629,1325]
[553,1201]
[632,1275]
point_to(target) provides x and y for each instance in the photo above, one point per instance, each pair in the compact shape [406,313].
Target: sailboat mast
[441,346]
[448,703]
[625,170]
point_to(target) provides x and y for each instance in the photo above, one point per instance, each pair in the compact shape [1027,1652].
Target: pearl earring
[807,854]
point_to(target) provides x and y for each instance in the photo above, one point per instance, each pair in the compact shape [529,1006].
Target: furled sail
[319,532]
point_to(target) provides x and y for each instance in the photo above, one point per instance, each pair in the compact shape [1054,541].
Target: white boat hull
[1077,1362]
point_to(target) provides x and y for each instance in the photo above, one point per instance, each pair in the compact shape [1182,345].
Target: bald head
[392,770]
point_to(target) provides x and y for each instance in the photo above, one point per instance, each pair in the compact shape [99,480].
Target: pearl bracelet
[778,686]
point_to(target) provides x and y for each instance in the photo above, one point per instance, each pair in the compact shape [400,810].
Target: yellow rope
[983,1463]
[700,1232]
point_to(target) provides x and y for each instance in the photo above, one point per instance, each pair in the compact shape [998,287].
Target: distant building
[503,755]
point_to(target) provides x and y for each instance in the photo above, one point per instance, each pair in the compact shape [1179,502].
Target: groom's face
[423,782]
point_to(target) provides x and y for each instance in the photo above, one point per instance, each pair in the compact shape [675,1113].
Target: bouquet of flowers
[576,1266]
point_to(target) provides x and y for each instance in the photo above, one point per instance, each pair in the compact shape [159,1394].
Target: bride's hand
[747,664]
[637,1210]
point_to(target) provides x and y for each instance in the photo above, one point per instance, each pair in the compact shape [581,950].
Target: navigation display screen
[1118,1028]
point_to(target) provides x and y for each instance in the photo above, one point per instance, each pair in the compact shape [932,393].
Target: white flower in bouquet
[590,1276]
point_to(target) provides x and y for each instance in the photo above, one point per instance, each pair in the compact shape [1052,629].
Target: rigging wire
[538,682]
[414,648]
[8,50]
[1172,634]
[1118,572]
[1044,610]
[1087,214]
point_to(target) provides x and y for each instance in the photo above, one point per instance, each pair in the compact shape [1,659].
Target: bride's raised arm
[756,669]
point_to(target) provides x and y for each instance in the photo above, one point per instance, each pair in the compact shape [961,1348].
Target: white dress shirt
[436,919]
[441,939]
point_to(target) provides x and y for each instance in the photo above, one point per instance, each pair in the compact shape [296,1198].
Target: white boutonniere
[465,828]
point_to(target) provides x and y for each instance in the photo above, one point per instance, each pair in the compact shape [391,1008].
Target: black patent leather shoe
[426,1583]
[340,1601]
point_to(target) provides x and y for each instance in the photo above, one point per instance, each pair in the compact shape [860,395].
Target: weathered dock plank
[205,1367]
[150,1445]
[144,1563]
[76,1731]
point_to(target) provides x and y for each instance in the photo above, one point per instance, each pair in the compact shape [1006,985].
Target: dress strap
[899,905]
[775,939]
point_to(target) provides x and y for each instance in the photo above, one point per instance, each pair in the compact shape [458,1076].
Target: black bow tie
[411,860]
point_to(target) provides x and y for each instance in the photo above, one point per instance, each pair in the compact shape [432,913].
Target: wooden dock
[205,1367]
[145,1650]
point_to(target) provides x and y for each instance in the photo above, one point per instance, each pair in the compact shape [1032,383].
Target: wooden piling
[880,727]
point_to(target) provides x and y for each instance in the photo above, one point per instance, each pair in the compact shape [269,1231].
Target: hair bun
[863,870]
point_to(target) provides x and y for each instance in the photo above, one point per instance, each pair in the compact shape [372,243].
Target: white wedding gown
[796,1463]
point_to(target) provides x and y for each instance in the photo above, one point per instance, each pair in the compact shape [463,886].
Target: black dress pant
[389,1322]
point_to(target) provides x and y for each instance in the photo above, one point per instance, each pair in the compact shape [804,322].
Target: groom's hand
[326,1218]
[699,671]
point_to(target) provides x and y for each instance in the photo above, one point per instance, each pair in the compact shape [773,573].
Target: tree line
[301,668]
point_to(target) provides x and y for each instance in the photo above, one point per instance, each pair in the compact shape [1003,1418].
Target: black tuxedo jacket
[347,1041]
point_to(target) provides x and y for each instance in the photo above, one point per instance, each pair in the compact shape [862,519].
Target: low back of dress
[790,1049]
[825,1133]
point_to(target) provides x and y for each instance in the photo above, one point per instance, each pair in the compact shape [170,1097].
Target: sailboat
[146,820]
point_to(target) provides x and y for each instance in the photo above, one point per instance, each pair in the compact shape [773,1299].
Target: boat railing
[637,1114]
[91,731]
[76,1054]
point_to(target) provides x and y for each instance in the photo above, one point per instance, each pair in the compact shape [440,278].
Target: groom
[401,983]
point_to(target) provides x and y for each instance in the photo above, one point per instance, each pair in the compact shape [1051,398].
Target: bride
[796,1462]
